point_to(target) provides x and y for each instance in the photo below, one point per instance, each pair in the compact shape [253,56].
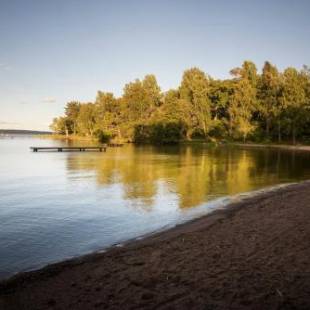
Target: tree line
[261,107]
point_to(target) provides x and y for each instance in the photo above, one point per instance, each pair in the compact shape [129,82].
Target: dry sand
[254,255]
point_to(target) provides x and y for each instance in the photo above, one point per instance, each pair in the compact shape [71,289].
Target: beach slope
[254,255]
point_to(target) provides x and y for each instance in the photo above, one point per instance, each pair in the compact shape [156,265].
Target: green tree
[72,110]
[151,90]
[60,125]
[248,71]
[243,101]
[174,110]
[86,119]
[241,108]
[107,113]
[194,91]
[141,98]
[269,91]
[294,100]
[249,104]
[220,95]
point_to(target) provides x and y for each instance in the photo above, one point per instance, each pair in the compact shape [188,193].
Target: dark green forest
[266,106]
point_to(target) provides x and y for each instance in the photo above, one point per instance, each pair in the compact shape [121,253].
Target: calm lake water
[58,205]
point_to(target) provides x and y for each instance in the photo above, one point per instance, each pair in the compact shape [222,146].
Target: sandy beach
[253,255]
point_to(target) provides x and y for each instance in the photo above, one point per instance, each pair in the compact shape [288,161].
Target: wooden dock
[101,148]
[69,148]
[115,144]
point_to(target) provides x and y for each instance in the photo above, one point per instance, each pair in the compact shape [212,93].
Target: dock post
[101,148]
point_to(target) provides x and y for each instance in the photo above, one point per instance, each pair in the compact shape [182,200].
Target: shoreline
[233,200]
[297,147]
[222,207]
[66,138]
[148,251]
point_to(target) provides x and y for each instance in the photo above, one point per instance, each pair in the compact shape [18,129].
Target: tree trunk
[294,133]
[188,135]
[279,131]
[67,131]
[205,130]
[119,134]
[230,127]
[267,127]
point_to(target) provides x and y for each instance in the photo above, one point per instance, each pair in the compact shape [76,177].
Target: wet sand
[253,255]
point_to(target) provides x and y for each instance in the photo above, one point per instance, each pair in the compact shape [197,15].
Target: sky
[52,52]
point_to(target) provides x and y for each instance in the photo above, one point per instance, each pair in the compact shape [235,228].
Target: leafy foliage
[103,137]
[159,133]
[261,107]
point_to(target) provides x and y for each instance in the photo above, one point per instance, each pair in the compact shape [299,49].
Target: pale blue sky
[55,51]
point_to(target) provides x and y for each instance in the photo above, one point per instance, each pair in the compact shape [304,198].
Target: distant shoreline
[254,253]
[23,132]
[70,137]
[50,135]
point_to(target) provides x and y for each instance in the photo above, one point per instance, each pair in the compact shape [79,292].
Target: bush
[159,133]
[102,136]
[218,130]
[142,134]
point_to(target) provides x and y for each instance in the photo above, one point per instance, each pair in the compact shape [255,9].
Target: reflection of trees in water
[194,173]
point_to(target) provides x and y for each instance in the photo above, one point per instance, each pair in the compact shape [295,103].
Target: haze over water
[58,205]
